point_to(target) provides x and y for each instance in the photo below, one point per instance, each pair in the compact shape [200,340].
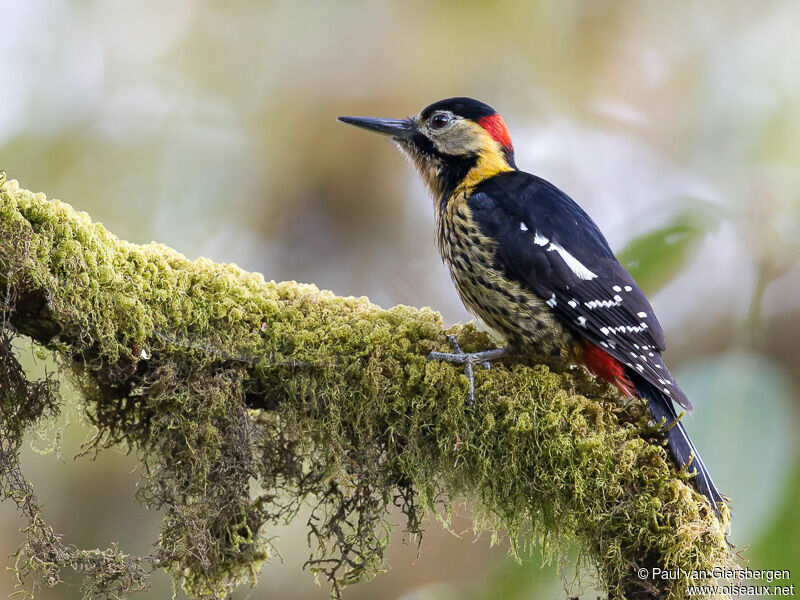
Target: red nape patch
[496,127]
[602,364]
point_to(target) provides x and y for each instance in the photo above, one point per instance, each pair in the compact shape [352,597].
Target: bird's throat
[447,176]
[487,165]
[459,182]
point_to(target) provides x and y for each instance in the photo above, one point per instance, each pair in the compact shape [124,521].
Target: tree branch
[173,355]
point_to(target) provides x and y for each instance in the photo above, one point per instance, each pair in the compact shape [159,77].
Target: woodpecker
[531,264]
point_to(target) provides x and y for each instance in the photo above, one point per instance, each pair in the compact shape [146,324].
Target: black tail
[678,442]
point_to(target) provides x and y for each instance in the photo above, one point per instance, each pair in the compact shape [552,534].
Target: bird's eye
[439,120]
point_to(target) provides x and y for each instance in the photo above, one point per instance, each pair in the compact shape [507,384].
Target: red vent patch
[602,364]
[496,127]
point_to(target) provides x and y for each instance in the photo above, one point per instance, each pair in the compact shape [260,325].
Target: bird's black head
[454,143]
[468,108]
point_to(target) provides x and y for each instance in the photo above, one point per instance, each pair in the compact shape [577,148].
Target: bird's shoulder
[514,197]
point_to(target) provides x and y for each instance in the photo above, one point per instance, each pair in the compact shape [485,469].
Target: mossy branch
[219,380]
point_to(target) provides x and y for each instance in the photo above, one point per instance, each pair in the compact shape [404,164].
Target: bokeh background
[211,126]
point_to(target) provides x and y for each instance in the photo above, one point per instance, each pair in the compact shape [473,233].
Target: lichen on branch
[248,398]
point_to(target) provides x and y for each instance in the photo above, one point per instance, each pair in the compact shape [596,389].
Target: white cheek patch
[462,137]
[573,263]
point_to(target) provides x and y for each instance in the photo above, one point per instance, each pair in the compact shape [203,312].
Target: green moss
[218,380]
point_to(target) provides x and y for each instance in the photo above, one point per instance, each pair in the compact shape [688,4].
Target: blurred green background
[211,126]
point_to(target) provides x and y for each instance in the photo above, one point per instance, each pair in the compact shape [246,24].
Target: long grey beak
[397,128]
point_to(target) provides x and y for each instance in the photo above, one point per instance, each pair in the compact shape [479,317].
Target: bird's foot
[468,359]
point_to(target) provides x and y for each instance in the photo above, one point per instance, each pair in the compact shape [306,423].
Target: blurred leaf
[779,546]
[512,580]
[742,426]
[656,258]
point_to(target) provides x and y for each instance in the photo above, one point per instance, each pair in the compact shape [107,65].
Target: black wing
[547,242]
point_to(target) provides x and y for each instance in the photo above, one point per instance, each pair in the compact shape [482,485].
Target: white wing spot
[604,330]
[522,226]
[628,288]
[572,304]
[667,391]
[640,368]
[633,354]
[618,298]
[628,328]
[616,288]
[604,345]
[552,301]
[539,239]
[642,315]
[573,263]
[651,354]
[636,346]
[592,304]
[643,357]
[582,321]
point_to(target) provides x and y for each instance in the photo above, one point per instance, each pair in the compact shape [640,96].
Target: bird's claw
[454,343]
[468,359]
